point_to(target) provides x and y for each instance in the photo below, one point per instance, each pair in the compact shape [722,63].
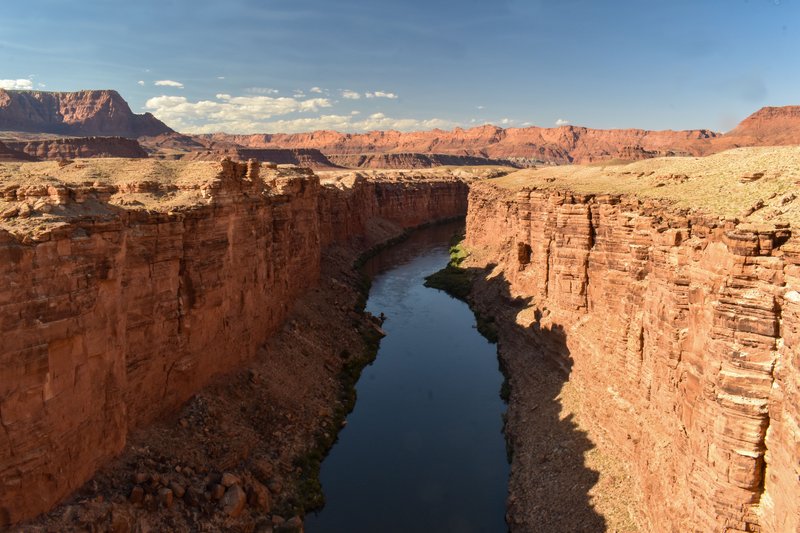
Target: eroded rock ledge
[126,286]
[681,330]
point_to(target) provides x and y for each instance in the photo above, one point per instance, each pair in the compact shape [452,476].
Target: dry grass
[111,171]
[725,184]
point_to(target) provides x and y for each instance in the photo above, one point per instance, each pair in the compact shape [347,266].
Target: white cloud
[381,94]
[140,82]
[316,90]
[20,84]
[228,113]
[480,107]
[169,83]
[220,77]
[376,121]
[506,121]
[350,95]
[265,114]
[41,85]
[261,90]
[562,122]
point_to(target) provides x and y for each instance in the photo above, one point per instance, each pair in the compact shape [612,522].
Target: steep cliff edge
[128,285]
[81,113]
[564,144]
[668,292]
[77,147]
[411,160]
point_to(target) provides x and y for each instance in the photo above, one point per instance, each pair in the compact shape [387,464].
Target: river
[423,450]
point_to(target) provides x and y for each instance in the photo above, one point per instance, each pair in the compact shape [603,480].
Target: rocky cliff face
[394,160]
[8,153]
[77,147]
[123,294]
[565,144]
[188,148]
[770,126]
[304,157]
[80,113]
[679,330]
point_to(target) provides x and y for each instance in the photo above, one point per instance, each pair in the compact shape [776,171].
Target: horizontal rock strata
[113,315]
[681,331]
[77,147]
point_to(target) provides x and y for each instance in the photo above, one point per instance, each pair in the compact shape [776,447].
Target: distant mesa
[82,113]
[90,119]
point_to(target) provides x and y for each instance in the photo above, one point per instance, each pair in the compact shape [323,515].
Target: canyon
[34,120]
[128,285]
[77,147]
[674,317]
[180,331]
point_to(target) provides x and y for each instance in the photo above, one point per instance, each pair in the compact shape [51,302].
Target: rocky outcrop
[122,296]
[303,157]
[8,153]
[402,160]
[78,147]
[770,126]
[680,331]
[184,147]
[82,113]
[565,144]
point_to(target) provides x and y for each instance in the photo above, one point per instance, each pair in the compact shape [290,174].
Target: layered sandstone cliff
[127,285]
[175,146]
[77,147]
[8,153]
[411,160]
[675,320]
[78,113]
[770,126]
[565,144]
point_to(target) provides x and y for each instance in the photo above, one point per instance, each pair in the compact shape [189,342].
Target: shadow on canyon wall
[550,483]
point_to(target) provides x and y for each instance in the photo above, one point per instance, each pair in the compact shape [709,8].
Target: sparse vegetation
[457,282]
[453,279]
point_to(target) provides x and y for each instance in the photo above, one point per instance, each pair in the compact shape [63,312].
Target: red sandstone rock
[681,335]
[76,113]
[7,153]
[78,147]
[408,160]
[114,315]
[564,144]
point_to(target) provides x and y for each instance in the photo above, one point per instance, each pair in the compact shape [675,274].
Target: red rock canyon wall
[110,321]
[683,334]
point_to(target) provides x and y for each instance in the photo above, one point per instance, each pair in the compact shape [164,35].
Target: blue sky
[247,65]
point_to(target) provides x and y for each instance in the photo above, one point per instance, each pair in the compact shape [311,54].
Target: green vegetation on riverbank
[457,282]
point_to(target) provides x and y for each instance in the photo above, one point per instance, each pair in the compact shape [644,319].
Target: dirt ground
[562,478]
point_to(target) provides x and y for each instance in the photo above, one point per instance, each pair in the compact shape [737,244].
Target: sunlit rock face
[78,113]
[682,333]
[122,296]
